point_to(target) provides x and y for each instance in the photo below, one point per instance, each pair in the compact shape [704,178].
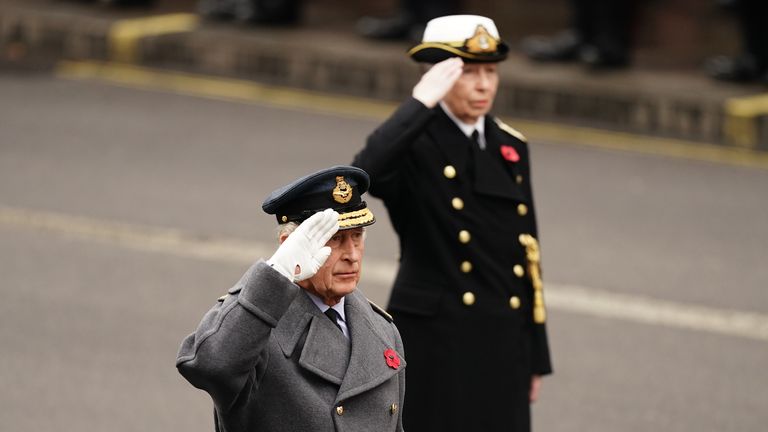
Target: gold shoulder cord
[510,130]
[533,257]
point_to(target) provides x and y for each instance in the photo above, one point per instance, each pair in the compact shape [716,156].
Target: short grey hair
[286,229]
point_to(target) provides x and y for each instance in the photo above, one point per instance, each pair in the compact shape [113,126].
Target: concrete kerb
[392,77]
[643,114]
[53,34]
[303,67]
[259,56]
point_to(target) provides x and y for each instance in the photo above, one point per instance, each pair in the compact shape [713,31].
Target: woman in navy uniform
[456,183]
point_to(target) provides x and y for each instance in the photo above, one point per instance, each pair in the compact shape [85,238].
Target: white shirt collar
[338,307]
[466,128]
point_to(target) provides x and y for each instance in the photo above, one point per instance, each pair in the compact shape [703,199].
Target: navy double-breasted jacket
[463,297]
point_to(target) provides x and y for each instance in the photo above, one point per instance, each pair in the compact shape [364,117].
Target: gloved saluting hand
[438,81]
[302,254]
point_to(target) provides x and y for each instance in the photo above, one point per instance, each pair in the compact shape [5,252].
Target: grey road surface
[125,213]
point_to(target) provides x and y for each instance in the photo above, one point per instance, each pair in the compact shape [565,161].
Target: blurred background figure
[276,12]
[125,3]
[600,36]
[752,63]
[408,21]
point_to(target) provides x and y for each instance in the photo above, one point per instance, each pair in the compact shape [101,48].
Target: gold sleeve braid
[533,256]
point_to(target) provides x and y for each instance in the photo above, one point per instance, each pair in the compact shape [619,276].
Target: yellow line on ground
[575,299]
[748,106]
[742,116]
[124,35]
[228,89]
[250,92]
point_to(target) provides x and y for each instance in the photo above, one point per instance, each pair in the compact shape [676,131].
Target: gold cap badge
[342,193]
[481,42]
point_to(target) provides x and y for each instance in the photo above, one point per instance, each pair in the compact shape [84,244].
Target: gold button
[449,171]
[340,410]
[522,209]
[514,302]
[464,236]
[519,179]
[457,203]
[466,266]
[519,270]
[284,219]
[468,298]
[393,409]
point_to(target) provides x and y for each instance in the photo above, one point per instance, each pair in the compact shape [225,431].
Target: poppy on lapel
[509,153]
[392,358]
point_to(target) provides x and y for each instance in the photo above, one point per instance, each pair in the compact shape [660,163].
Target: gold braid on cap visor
[451,47]
[355,218]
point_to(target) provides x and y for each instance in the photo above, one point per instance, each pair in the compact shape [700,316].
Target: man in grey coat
[293,346]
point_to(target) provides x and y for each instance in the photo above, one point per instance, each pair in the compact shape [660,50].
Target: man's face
[472,95]
[341,272]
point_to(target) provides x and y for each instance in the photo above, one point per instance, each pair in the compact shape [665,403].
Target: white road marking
[575,299]
[647,310]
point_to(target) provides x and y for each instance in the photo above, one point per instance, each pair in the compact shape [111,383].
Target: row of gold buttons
[450,172]
[458,204]
[392,409]
[469,299]
[464,236]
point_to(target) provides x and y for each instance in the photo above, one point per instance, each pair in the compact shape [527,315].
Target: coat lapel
[367,365]
[325,350]
[493,175]
[489,175]
[451,142]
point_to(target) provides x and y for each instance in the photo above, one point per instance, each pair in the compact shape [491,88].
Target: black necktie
[334,317]
[476,139]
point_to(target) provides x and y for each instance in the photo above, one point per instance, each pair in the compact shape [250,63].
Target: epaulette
[378,309]
[510,130]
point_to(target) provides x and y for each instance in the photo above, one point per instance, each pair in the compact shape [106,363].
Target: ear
[282,238]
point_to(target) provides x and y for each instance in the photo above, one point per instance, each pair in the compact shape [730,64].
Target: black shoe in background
[266,12]
[597,59]
[562,47]
[397,27]
[740,69]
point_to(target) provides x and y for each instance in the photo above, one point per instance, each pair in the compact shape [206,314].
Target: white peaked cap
[454,28]
[474,38]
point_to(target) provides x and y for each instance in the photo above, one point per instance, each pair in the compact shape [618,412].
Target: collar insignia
[342,193]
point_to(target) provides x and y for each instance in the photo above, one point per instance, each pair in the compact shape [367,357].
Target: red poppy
[509,153]
[392,359]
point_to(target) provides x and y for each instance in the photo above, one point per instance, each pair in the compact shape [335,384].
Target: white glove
[438,81]
[305,247]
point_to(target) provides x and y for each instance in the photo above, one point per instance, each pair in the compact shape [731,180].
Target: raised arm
[226,355]
[388,144]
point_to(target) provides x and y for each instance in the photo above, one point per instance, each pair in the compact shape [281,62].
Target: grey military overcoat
[271,361]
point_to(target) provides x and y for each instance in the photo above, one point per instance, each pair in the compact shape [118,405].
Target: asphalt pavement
[125,211]
[130,192]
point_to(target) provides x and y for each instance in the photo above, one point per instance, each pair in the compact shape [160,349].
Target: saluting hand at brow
[438,81]
[302,254]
